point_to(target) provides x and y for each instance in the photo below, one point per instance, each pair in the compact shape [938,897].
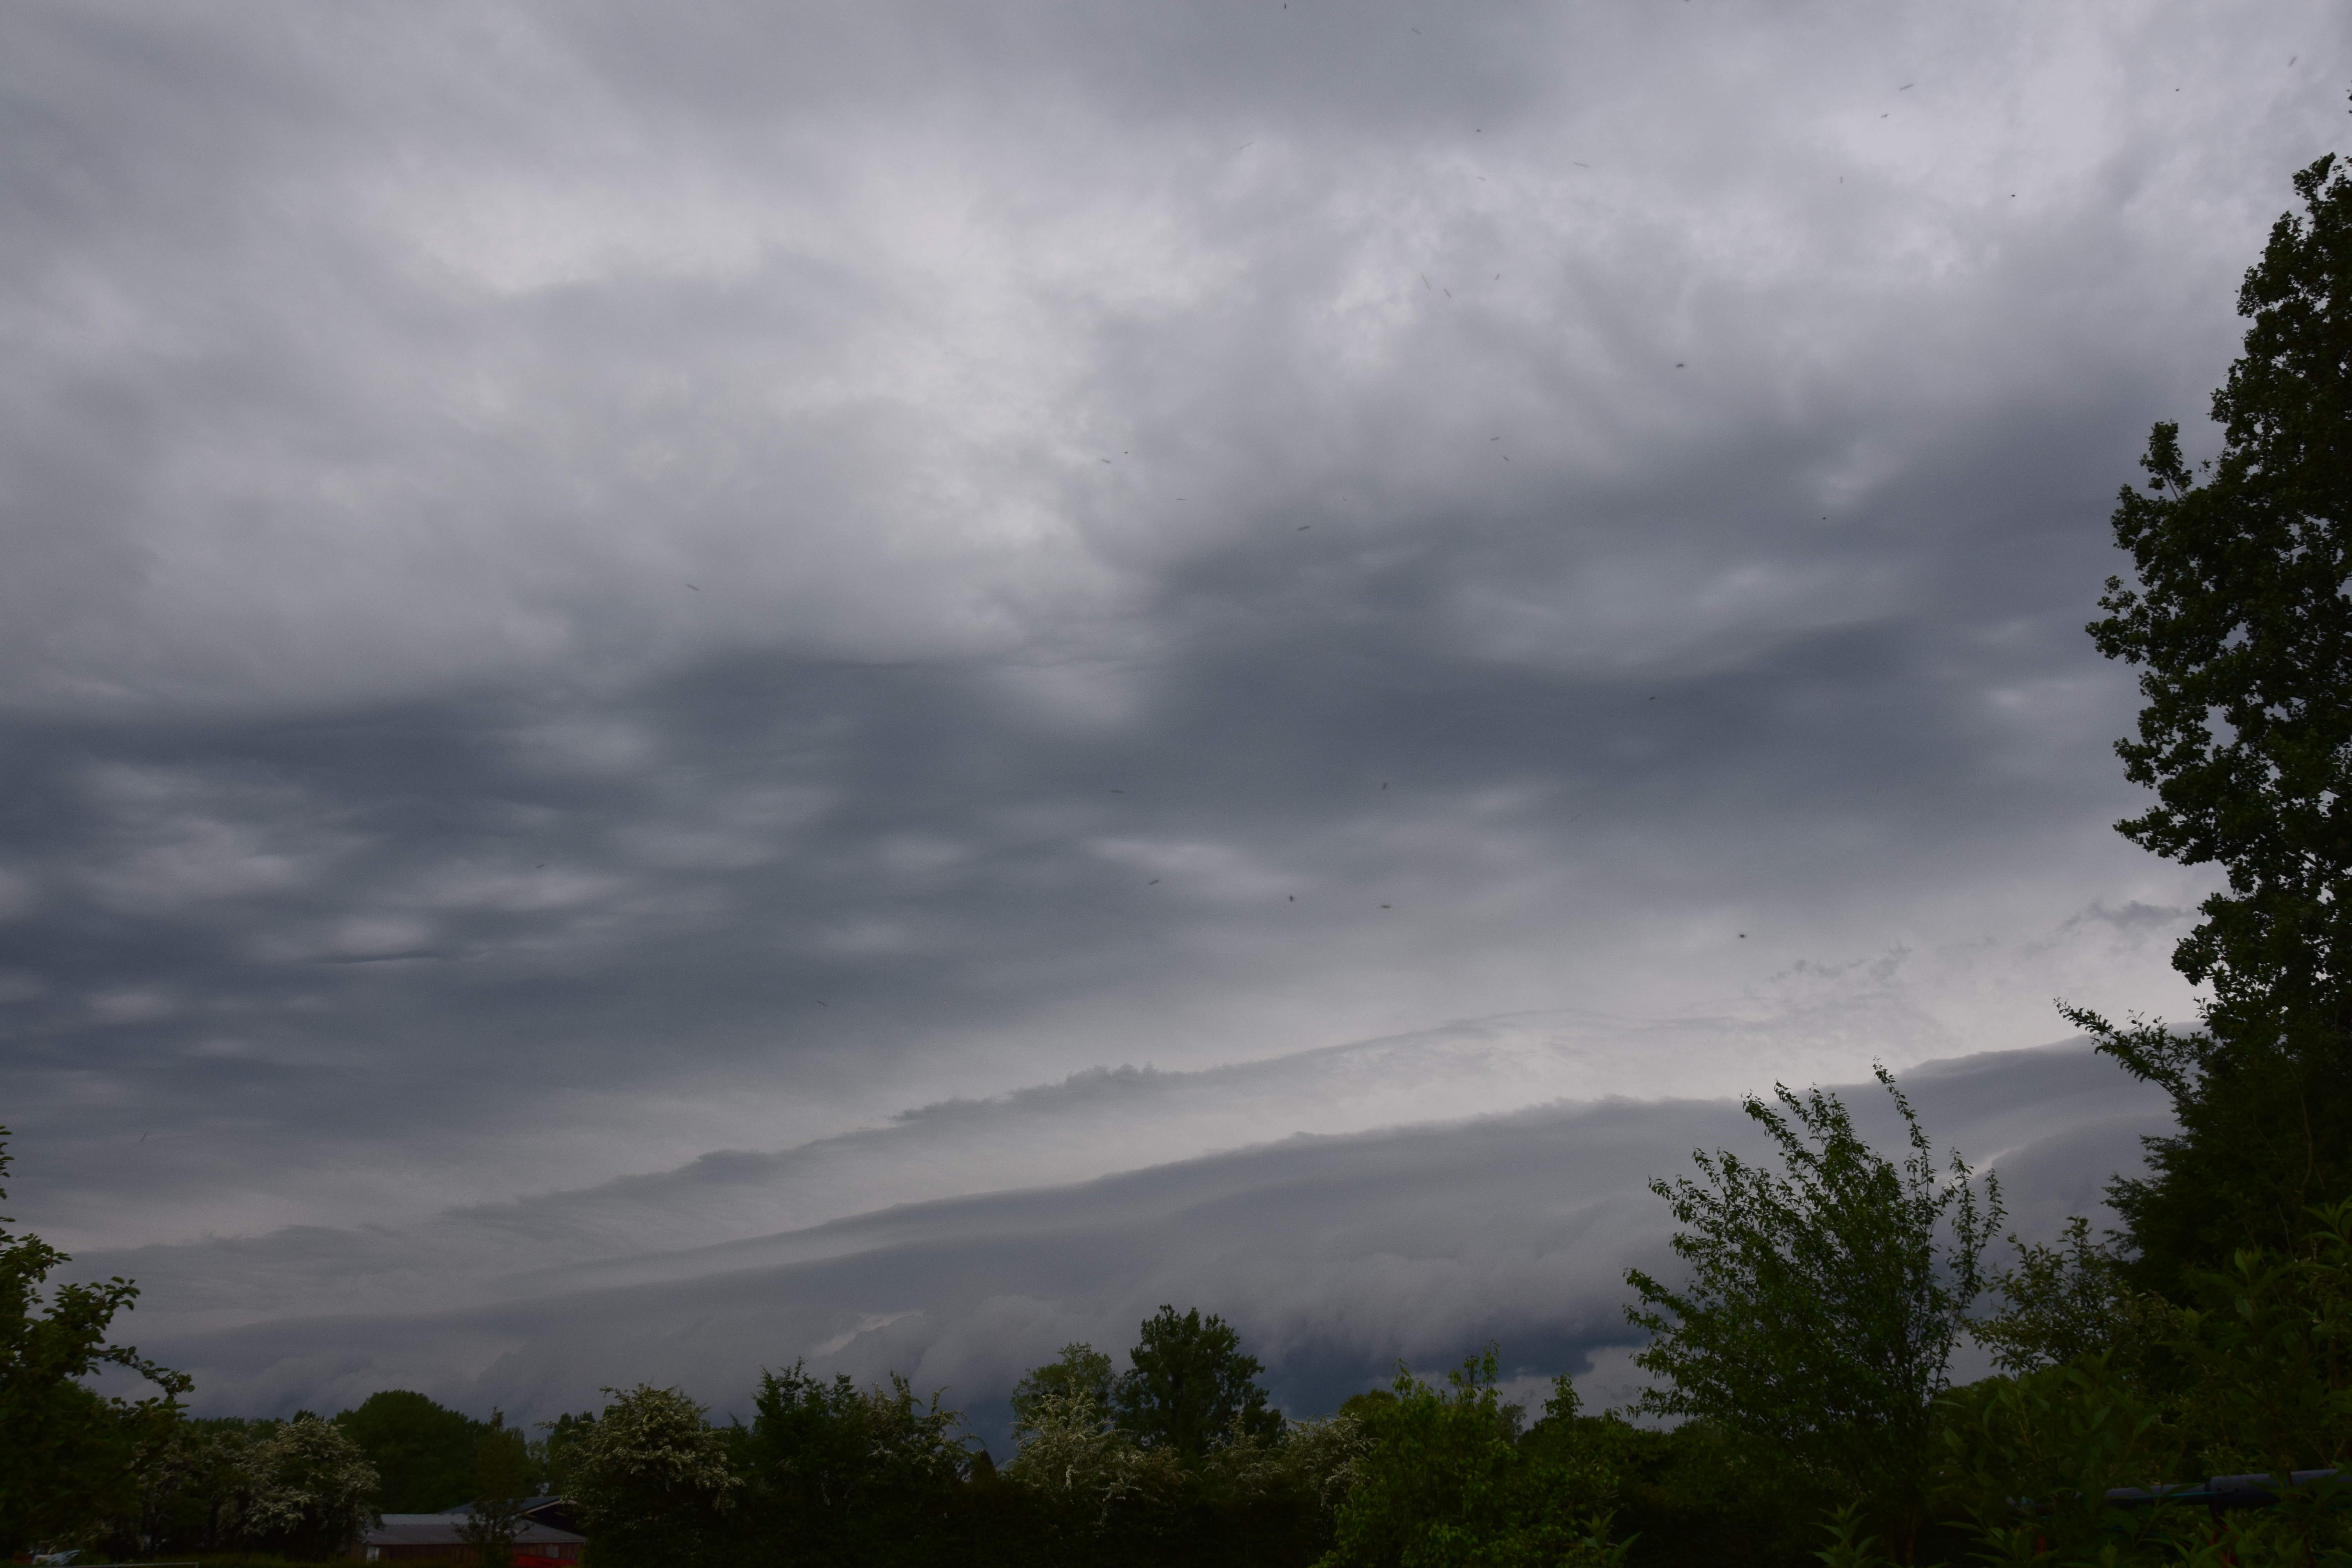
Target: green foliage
[2033,1457]
[1450,1481]
[424,1451]
[504,1479]
[66,1453]
[1849,1546]
[1087,1472]
[1188,1386]
[2239,622]
[1080,1371]
[2063,1303]
[310,1490]
[837,1474]
[1823,1301]
[2268,1358]
[654,1481]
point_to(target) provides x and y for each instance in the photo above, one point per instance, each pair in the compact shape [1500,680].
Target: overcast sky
[630,627]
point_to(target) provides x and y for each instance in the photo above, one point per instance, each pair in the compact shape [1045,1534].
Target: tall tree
[311,1491]
[1823,1299]
[2239,619]
[66,1453]
[655,1482]
[503,1482]
[1081,1373]
[1189,1386]
[423,1450]
[836,1474]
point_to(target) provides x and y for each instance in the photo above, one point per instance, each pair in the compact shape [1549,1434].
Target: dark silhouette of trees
[66,1452]
[1189,1386]
[2238,619]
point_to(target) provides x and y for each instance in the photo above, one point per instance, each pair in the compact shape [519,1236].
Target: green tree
[66,1453]
[423,1450]
[2237,619]
[194,1478]
[654,1481]
[1451,1481]
[503,1482]
[1822,1300]
[1081,1372]
[310,1490]
[1188,1386]
[839,1474]
[2065,1301]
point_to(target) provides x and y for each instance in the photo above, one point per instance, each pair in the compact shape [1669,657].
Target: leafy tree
[193,1479]
[311,1491]
[2238,620]
[1188,1386]
[654,1482]
[2268,1356]
[2065,1302]
[1823,1301]
[840,1474]
[1450,1481]
[1089,1476]
[503,1482]
[1080,1371]
[424,1451]
[66,1453]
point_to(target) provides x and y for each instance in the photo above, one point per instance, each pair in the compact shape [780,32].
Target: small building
[408,1537]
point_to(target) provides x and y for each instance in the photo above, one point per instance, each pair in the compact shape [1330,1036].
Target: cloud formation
[1335,1255]
[597,606]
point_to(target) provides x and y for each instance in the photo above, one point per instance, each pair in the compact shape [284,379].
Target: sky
[632,632]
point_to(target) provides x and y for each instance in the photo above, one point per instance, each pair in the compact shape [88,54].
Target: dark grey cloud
[588,589]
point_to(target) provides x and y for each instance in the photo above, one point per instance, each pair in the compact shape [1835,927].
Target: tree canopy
[1189,1386]
[1823,1299]
[65,1451]
[2238,617]
[423,1450]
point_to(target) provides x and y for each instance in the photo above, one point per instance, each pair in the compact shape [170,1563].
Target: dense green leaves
[310,1490]
[504,1479]
[1188,1386]
[1450,1481]
[1080,1374]
[2239,619]
[654,1481]
[66,1453]
[1823,1299]
[423,1451]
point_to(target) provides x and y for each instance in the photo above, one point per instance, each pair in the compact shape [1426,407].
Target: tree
[2063,1302]
[311,1491]
[1823,1299]
[1081,1372]
[424,1451]
[66,1453]
[654,1481]
[1188,1386]
[1450,1478]
[840,1474]
[502,1484]
[2238,620]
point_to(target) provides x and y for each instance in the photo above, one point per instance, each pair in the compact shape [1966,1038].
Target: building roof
[448,1530]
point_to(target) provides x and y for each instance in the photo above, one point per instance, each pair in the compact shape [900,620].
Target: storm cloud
[629,630]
